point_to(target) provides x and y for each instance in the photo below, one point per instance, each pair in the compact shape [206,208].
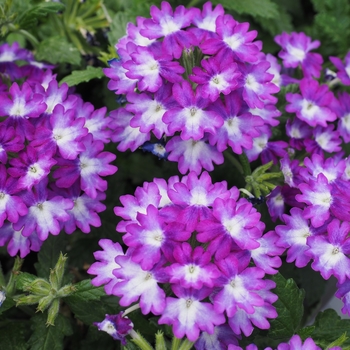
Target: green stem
[140,341]
[31,38]
[186,345]
[232,159]
[11,288]
[175,344]
[245,164]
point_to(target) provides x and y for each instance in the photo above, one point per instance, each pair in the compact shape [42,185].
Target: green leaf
[329,327]
[49,254]
[289,307]
[80,76]
[13,336]
[90,311]
[7,304]
[49,338]
[262,8]
[85,291]
[118,27]
[29,18]
[57,50]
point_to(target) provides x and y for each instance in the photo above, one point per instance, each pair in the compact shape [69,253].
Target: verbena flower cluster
[195,83]
[197,252]
[51,155]
[196,239]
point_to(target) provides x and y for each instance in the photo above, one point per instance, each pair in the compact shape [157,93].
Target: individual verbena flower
[105,265]
[149,110]
[151,238]
[193,155]
[239,128]
[323,199]
[31,166]
[150,66]
[238,286]
[325,140]
[267,255]
[293,236]
[128,137]
[215,77]
[192,268]
[116,326]
[342,109]
[169,24]
[64,134]
[20,104]
[236,222]
[295,51]
[45,211]
[194,198]
[312,106]
[85,210]
[191,117]
[91,164]
[257,86]
[188,314]
[205,21]
[330,252]
[17,243]
[233,40]
[137,284]
[343,68]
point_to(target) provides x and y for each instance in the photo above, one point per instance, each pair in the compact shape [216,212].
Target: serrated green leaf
[85,291]
[80,76]
[49,254]
[329,326]
[306,332]
[262,8]
[56,49]
[29,18]
[13,336]
[90,311]
[289,307]
[49,338]
[118,27]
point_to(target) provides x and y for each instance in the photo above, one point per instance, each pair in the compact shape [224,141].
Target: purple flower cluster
[51,155]
[316,227]
[197,79]
[189,247]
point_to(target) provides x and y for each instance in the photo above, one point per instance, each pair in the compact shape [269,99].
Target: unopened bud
[44,303]
[57,273]
[53,312]
[27,299]
[39,287]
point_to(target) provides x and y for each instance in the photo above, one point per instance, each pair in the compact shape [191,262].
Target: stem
[234,162]
[186,345]
[10,289]
[131,309]
[140,341]
[245,164]
[175,344]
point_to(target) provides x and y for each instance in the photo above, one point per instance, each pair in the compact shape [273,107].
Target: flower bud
[53,312]
[39,286]
[44,303]
[57,273]
[27,299]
